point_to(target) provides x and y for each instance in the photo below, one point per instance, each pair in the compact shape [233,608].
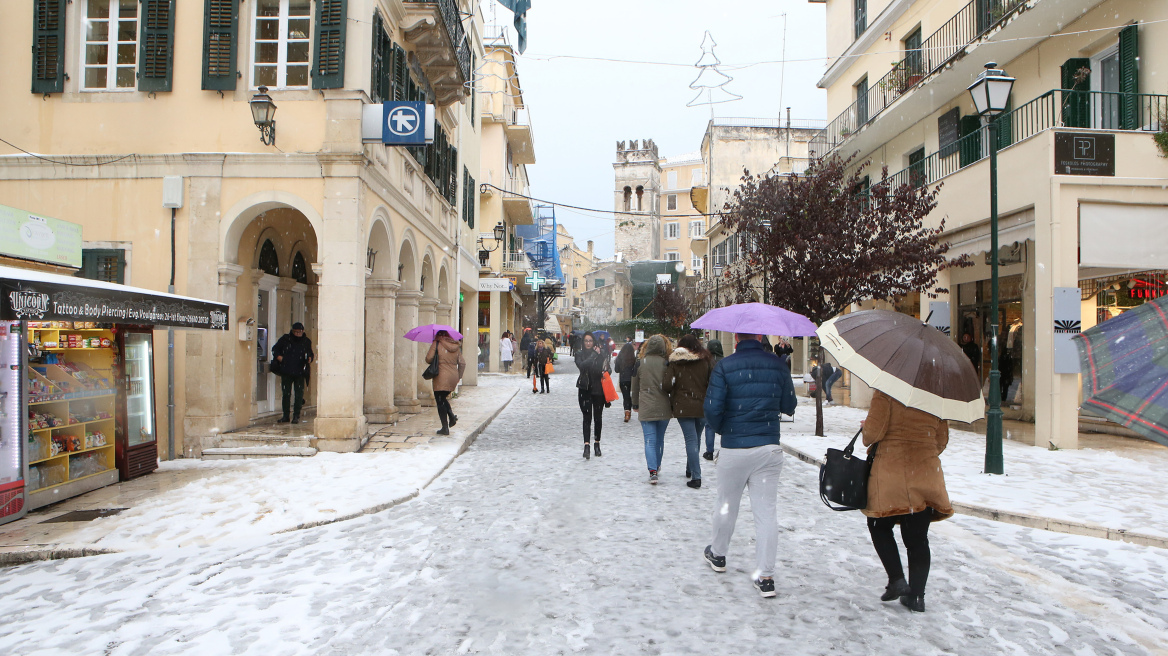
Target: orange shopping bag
[610,394]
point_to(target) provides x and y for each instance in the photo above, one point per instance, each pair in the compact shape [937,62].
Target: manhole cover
[84,515]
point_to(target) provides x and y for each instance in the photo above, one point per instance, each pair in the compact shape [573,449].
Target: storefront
[78,409]
[973,312]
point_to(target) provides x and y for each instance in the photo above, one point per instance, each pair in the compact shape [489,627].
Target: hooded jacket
[686,380]
[649,397]
[296,353]
[747,392]
[451,365]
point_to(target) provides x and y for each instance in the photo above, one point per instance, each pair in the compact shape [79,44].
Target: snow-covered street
[523,547]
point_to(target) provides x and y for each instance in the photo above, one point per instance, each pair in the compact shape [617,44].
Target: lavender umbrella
[426,333]
[756,319]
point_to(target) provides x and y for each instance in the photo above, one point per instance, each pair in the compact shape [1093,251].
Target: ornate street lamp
[263,112]
[991,95]
[499,232]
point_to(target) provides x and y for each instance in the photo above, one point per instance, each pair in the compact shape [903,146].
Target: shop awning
[39,296]
[974,240]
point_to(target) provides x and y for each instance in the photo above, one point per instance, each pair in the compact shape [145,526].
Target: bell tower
[637,201]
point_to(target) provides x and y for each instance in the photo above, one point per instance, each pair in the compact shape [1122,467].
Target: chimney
[589,248]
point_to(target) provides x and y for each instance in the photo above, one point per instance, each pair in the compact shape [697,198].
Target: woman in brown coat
[685,382]
[450,367]
[906,487]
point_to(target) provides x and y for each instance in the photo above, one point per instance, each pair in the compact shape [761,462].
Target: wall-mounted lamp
[499,233]
[370,258]
[263,112]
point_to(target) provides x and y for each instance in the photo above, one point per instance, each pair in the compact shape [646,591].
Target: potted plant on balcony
[1161,137]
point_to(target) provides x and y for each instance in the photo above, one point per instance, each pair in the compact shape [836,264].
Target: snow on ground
[1093,486]
[523,547]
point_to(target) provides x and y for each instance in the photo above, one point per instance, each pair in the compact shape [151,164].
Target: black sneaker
[687,473]
[717,563]
[652,477]
[694,483]
[708,455]
[766,587]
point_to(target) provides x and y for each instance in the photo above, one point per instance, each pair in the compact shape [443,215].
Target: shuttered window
[157,54]
[1129,78]
[469,198]
[401,73]
[329,47]
[1076,105]
[281,41]
[970,145]
[220,34]
[110,45]
[48,46]
[860,16]
[105,264]
[381,67]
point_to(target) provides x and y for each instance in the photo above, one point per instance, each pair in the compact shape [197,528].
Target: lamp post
[263,112]
[991,95]
[500,232]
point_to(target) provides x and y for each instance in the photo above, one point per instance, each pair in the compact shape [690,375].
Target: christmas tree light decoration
[711,81]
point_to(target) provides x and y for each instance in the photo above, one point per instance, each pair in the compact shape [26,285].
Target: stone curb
[1031,521]
[13,558]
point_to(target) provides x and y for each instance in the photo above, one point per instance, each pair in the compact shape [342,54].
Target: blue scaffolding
[539,240]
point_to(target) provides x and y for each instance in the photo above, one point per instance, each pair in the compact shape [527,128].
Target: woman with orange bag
[592,361]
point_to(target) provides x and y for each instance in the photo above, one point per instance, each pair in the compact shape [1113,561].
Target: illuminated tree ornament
[711,81]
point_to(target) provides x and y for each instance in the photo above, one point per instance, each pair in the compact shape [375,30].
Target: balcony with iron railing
[517,261]
[971,23]
[518,128]
[517,201]
[1059,108]
[434,29]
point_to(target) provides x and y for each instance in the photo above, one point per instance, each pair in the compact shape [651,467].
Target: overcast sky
[580,108]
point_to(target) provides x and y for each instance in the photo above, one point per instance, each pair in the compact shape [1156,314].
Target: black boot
[587,455]
[915,603]
[296,418]
[445,430]
[453,419]
[282,420]
[897,588]
[596,449]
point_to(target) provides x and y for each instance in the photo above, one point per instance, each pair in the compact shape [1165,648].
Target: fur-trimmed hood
[683,355]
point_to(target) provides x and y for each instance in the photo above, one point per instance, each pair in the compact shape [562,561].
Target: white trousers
[758,469]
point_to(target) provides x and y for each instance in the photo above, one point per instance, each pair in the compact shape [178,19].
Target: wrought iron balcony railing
[965,27]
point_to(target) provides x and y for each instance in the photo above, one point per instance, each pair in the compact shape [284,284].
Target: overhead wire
[589,209]
[54,161]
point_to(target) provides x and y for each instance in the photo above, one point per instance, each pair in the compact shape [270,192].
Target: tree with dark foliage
[670,307]
[820,241]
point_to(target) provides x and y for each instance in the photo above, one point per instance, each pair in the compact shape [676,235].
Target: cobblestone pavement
[524,547]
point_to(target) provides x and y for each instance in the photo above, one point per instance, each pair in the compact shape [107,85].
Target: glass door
[139,370]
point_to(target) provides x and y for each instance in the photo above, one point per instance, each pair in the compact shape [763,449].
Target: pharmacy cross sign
[535,280]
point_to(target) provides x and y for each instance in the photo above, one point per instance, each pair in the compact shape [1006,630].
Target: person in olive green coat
[650,401]
[685,382]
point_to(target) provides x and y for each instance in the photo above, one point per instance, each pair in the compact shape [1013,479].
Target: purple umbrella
[756,319]
[426,333]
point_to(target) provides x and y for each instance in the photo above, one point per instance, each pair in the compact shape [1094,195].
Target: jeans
[592,407]
[709,439]
[691,428]
[835,375]
[914,532]
[626,387]
[287,384]
[654,442]
[757,468]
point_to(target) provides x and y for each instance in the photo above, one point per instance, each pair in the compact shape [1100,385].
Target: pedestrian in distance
[714,347]
[650,401]
[626,361]
[972,351]
[906,487]
[543,357]
[451,366]
[835,374]
[592,362]
[825,373]
[506,351]
[686,380]
[747,392]
[532,349]
[293,357]
[523,344]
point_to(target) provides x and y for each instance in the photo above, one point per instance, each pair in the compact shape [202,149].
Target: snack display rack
[72,408]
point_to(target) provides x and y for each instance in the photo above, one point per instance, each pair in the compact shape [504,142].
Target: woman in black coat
[592,361]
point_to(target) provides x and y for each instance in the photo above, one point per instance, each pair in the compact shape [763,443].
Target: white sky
[580,108]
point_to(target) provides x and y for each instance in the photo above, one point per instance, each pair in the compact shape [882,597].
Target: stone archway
[427,313]
[381,287]
[405,358]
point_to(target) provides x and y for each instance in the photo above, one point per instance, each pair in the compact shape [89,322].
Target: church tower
[638,201]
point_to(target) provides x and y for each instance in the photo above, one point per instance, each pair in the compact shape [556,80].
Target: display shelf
[78,348]
[65,454]
[80,423]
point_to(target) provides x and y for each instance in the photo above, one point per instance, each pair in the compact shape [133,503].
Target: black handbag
[843,478]
[432,371]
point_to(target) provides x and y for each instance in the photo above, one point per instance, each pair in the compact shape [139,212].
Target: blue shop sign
[404,123]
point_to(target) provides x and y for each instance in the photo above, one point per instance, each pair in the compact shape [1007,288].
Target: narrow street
[523,547]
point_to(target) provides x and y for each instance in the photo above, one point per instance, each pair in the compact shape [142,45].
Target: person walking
[650,401]
[506,351]
[451,366]
[906,487]
[532,351]
[686,380]
[836,374]
[714,347]
[543,357]
[523,344]
[626,362]
[827,377]
[293,355]
[592,363]
[747,392]
[972,351]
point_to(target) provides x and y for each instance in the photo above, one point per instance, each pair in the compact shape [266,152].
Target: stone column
[427,313]
[211,357]
[380,341]
[493,363]
[405,359]
[470,335]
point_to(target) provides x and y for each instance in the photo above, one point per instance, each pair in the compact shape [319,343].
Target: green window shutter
[1005,123]
[329,46]
[401,74]
[1076,109]
[48,46]
[1129,78]
[106,264]
[156,45]
[970,139]
[220,33]
[378,64]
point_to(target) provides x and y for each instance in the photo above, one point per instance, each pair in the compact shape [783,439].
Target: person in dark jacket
[523,344]
[592,361]
[685,383]
[293,355]
[543,356]
[972,351]
[714,347]
[626,361]
[747,392]
[532,347]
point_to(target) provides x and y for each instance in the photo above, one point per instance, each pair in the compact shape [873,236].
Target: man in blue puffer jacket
[747,392]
